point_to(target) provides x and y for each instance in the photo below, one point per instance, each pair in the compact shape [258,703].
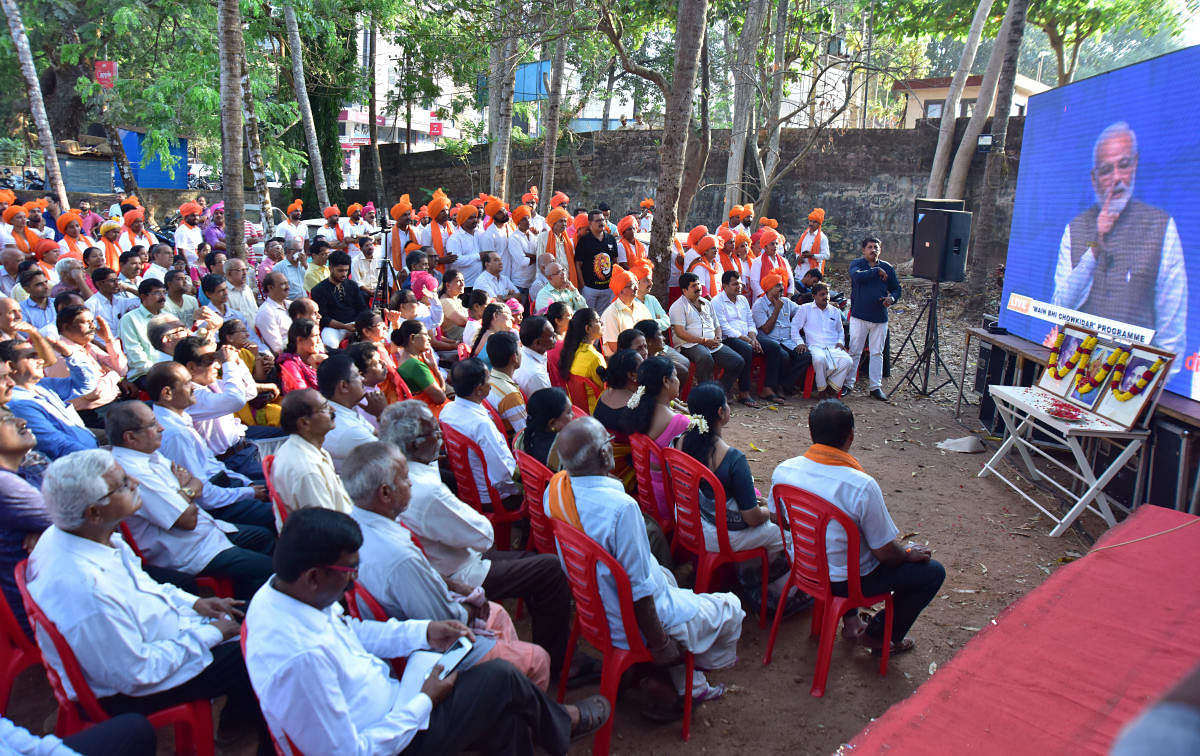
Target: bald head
[583,447]
[10,258]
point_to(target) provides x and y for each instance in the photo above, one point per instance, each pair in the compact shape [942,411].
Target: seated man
[341,383]
[505,395]
[537,338]
[142,645]
[341,301]
[699,335]
[624,312]
[109,302]
[133,328]
[179,303]
[95,344]
[304,475]
[399,576]
[671,618]
[459,540]
[170,529]
[737,324]
[467,415]
[558,288]
[885,565]
[216,289]
[272,320]
[773,314]
[492,279]
[228,495]
[24,515]
[819,324]
[43,402]
[322,684]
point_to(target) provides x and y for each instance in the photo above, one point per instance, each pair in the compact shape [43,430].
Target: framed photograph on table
[1091,381]
[1059,376]
[1136,385]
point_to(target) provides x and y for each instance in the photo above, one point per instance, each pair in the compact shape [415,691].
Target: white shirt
[288,231]
[321,681]
[533,373]
[350,229]
[153,526]
[130,634]
[243,300]
[645,223]
[365,270]
[127,241]
[734,317]
[497,286]
[155,271]
[112,310]
[816,327]
[466,246]
[697,319]
[473,421]
[272,323]
[453,535]
[183,445]
[425,234]
[537,222]
[215,404]
[303,476]
[820,254]
[520,269]
[349,432]
[187,238]
[756,274]
[495,238]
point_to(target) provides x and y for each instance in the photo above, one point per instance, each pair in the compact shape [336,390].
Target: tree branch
[609,27]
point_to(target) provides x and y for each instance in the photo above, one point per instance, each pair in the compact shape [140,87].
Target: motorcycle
[34,181]
[7,181]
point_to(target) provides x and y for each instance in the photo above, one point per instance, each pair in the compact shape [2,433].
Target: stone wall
[865,179]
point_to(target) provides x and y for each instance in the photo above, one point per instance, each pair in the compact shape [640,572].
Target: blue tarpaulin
[154,175]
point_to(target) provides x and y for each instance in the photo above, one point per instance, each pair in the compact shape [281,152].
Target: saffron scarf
[569,253]
[712,274]
[26,240]
[398,246]
[769,264]
[561,500]
[815,248]
[73,247]
[112,253]
[823,454]
[438,244]
[135,239]
[634,253]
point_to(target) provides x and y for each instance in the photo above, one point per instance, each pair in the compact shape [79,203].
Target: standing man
[437,233]
[631,251]
[699,334]
[520,257]
[813,248]
[90,219]
[188,235]
[135,233]
[595,254]
[464,245]
[646,217]
[291,229]
[874,287]
[354,228]
[770,261]
[530,200]
[293,267]
[332,230]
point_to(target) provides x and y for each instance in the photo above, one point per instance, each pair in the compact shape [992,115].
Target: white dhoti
[711,635]
[831,366]
[332,337]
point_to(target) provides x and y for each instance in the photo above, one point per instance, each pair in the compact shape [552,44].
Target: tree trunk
[606,115]
[774,126]
[372,151]
[298,83]
[258,167]
[550,121]
[743,101]
[128,182]
[54,180]
[941,156]
[956,185]
[698,148]
[232,55]
[502,147]
[690,23]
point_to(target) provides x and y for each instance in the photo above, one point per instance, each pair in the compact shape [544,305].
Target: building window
[933,108]
[966,108]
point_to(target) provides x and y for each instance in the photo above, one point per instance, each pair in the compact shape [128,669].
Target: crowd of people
[141,382]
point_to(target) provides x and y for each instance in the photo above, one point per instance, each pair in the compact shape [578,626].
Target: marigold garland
[1083,350]
[1142,382]
[1085,383]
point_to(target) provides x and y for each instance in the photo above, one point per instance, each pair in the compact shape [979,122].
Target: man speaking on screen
[1122,259]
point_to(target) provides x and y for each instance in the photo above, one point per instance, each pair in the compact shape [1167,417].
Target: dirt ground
[993,544]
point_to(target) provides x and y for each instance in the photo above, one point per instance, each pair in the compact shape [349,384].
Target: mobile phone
[454,656]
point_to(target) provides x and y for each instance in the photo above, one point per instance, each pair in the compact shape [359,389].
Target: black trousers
[248,564]
[730,361]
[790,364]
[539,581]
[127,734]
[913,585]
[494,709]
[746,352]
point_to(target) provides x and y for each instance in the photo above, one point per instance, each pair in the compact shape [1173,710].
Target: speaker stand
[929,358]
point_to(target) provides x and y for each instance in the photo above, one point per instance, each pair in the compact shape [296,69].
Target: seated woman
[262,409]
[549,409]
[632,338]
[417,365]
[476,301]
[651,415]
[454,313]
[301,356]
[370,327]
[496,318]
[580,357]
[620,378]
[559,315]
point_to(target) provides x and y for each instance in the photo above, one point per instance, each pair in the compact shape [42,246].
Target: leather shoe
[878,394]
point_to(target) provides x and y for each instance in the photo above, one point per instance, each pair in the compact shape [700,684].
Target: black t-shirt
[596,257]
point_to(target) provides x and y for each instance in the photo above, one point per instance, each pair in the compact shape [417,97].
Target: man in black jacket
[340,300]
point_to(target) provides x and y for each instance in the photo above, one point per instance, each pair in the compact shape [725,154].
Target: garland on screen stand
[1142,382]
[1085,383]
[1083,350]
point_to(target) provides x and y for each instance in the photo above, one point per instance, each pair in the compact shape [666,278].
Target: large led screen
[1106,222]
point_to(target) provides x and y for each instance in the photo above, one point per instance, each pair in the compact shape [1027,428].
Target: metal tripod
[930,356]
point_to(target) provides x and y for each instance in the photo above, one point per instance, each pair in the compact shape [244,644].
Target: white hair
[73,483]
[64,265]
[1120,128]
[371,467]
[400,423]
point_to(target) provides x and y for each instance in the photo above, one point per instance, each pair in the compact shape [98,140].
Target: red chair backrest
[13,640]
[535,476]
[645,454]
[458,451]
[127,534]
[581,556]
[356,594]
[281,512]
[808,517]
[291,749]
[496,419]
[686,474]
[583,391]
[85,699]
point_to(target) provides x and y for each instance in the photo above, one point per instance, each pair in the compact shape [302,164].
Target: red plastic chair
[581,556]
[459,449]
[221,587]
[759,367]
[357,598]
[497,421]
[584,392]
[686,476]
[17,652]
[685,388]
[192,720]
[535,477]
[808,516]
[645,454]
[579,411]
[281,512]
[280,750]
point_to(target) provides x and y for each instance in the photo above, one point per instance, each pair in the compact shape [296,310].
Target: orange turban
[773,279]
[350,210]
[65,219]
[439,203]
[412,246]
[555,215]
[647,203]
[132,200]
[531,195]
[642,269]
[705,243]
[818,215]
[581,221]
[465,213]
[331,212]
[135,214]
[748,208]
[42,246]
[741,238]
[736,211]
[620,279]
[402,206]
[188,208]
[522,211]
[559,199]
[296,205]
[476,203]
[724,234]
[768,235]
[627,222]
[696,234]
[7,195]
[492,206]
[11,211]
[423,212]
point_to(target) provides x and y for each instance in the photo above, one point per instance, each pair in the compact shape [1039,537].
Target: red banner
[106,73]
[435,128]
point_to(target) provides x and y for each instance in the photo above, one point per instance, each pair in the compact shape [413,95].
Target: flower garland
[1142,382]
[636,399]
[1084,349]
[697,422]
[1085,382]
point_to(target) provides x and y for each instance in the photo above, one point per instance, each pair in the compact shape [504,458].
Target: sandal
[898,647]
[594,711]
[771,398]
[749,402]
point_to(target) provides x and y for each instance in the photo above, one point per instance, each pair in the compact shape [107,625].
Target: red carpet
[1063,669]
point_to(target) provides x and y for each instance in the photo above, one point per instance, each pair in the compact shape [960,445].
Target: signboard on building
[435,128]
[106,73]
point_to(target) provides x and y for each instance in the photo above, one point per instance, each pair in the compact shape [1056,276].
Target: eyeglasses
[127,484]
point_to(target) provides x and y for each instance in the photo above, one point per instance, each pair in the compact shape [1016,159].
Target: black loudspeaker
[1174,453]
[923,204]
[940,242]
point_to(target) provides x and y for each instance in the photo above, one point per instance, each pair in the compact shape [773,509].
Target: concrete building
[927,96]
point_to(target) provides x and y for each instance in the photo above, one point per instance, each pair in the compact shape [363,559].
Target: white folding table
[1025,409]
